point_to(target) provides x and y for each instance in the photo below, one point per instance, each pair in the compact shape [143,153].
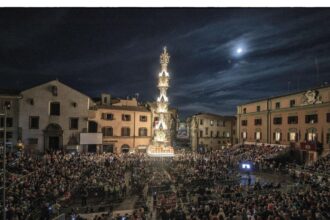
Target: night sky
[219,57]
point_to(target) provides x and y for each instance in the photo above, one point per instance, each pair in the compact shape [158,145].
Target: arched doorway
[124,148]
[53,135]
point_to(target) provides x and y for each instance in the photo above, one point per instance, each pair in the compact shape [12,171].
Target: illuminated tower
[161,128]
[161,139]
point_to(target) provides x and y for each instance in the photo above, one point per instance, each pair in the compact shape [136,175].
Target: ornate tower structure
[161,140]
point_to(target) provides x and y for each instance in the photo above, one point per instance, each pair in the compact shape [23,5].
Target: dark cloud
[117,51]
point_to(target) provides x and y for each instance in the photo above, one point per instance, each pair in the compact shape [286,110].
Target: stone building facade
[9,100]
[126,126]
[52,116]
[211,131]
[293,119]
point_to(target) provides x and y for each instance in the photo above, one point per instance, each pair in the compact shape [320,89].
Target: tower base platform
[160,151]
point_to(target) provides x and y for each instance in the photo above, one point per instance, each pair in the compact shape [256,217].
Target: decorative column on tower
[161,140]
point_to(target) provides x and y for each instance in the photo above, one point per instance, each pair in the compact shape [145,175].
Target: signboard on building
[90,138]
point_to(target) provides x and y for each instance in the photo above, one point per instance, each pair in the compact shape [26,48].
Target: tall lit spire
[161,133]
[160,146]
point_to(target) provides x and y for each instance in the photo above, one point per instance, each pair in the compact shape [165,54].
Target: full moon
[239,50]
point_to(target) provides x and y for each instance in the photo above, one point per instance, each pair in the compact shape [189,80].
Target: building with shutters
[300,119]
[210,131]
[125,124]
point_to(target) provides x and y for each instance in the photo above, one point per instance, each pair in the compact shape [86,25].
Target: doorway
[125,148]
[54,143]
[53,137]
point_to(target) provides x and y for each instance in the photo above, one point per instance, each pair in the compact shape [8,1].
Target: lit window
[292,136]
[277,136]
[244,134]
[258,135]
[311,136]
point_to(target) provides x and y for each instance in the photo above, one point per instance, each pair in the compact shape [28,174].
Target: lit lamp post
[20,146]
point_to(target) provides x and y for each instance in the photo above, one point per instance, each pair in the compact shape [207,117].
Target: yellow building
[211,131]
[126,126]
[295,119]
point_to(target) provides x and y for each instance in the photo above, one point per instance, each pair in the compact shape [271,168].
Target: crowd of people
[188,186]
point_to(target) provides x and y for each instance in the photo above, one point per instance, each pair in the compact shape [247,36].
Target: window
[33,141]
[108,148]
[143,132]
[201,121]
[54,108]
[258,135]
[277,105]
[244,122]
[293,120]
[9,122]
[200,133]
[311,119]
[7,105]
[126,117]
[292,103]
[107,116]
[143,118]
[257,121]
[227,134]
[328,138]
[9,134]
[277,136]
[311,136]
[211,135]
[328,117]
[258,108]
[292,136]
[74,123]
[125,131]
[218,134]
[218,123]
[244,110]
[206,131]
[244,134]
[105,100]
[107,131]
[34,122]
[211,122]
[277,120]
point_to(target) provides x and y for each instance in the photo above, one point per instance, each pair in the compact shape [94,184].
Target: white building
[52,116]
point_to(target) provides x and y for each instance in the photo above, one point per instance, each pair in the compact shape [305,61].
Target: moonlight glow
[239,50]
